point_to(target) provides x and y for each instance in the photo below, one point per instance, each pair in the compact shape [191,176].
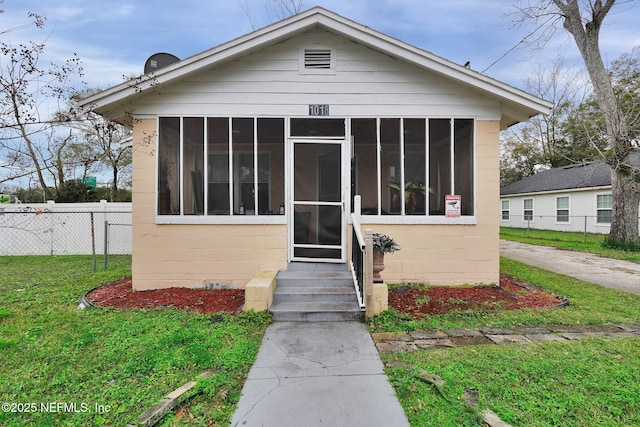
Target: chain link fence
[581,225]
[100,230]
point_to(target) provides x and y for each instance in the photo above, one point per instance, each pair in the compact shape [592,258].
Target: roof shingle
[584,175]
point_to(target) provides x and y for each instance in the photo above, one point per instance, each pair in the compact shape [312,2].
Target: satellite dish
[158,61]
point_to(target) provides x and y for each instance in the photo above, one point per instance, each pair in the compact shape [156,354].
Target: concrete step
[316,266]
[315,292]
[314,312]
[310,278]
[344,294]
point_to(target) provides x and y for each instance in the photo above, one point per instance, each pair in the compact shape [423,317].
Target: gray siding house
[569,198]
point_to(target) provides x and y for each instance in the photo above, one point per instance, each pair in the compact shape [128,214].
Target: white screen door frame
[317,218]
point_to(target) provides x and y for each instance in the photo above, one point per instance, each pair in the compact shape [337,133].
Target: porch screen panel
[390,172]
[439,164]
[365,161]
[463,164]
[218,166]
[169,166]
[243,167]
[415,173]
[271,187]
[193,154]
[317,127]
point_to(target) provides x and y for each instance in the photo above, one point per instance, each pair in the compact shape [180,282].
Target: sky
[114,38]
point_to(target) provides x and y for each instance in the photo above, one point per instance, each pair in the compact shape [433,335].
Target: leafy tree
[520,158]
[75,191]
[583,20]
[585,125]
[104,193]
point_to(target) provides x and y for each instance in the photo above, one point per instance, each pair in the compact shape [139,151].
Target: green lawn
[587,382]
[592,382]
[110,364]
[589,242]
[114,364]
[588,304]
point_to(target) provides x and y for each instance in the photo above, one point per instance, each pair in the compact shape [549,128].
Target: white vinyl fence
[65,228]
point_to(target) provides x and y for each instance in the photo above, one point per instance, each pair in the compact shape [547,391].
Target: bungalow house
[248,156]
[569,198]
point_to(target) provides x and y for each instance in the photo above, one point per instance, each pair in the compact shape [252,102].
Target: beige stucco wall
[454,254]
[166,255]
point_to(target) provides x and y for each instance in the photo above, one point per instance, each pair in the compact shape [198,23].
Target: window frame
[567,209]
[233,159]
[599,209]
[506,217]
[527,217]
[426,218]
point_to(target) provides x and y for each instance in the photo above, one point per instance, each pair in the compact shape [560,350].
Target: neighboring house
[570,198]
[248,155]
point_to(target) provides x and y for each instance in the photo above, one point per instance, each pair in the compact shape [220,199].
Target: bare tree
[107,142]
[113,143]
[273,11]
[26,133]
[583,20]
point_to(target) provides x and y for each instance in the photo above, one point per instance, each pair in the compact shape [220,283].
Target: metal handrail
[358,257]
[356,228]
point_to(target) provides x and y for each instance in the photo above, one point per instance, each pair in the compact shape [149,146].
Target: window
[505,210]
[169,136]
[243,159]
[604,205]
[407,166]
[310,127]
[528,209]
[562,209]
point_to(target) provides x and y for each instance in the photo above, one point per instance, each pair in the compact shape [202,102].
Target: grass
[589,304]
[589,242]
[111,364]
[574,383]
[588,382]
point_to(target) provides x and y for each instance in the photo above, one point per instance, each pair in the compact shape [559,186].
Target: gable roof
[579,176]
[518,105]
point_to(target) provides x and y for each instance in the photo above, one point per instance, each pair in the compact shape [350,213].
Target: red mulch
[510,295]
[120,295]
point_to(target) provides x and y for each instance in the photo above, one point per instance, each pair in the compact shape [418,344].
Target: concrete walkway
[318,374]
[611,273]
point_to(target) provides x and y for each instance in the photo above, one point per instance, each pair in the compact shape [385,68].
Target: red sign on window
[452,206]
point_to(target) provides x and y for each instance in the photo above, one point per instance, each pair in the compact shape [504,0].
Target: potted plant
[382,244]
[414,195]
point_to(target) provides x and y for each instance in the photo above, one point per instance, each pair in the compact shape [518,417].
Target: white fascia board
[432,62]
[320,17]
[196,63]
[563,191]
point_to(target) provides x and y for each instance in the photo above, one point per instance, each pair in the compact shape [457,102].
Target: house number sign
[318,110]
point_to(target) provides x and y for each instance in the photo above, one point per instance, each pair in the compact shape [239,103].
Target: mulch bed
[511,294]
[120,295]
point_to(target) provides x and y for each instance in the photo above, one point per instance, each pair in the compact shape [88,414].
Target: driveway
[611,273]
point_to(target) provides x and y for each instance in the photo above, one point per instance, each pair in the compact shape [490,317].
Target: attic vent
[317,59]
